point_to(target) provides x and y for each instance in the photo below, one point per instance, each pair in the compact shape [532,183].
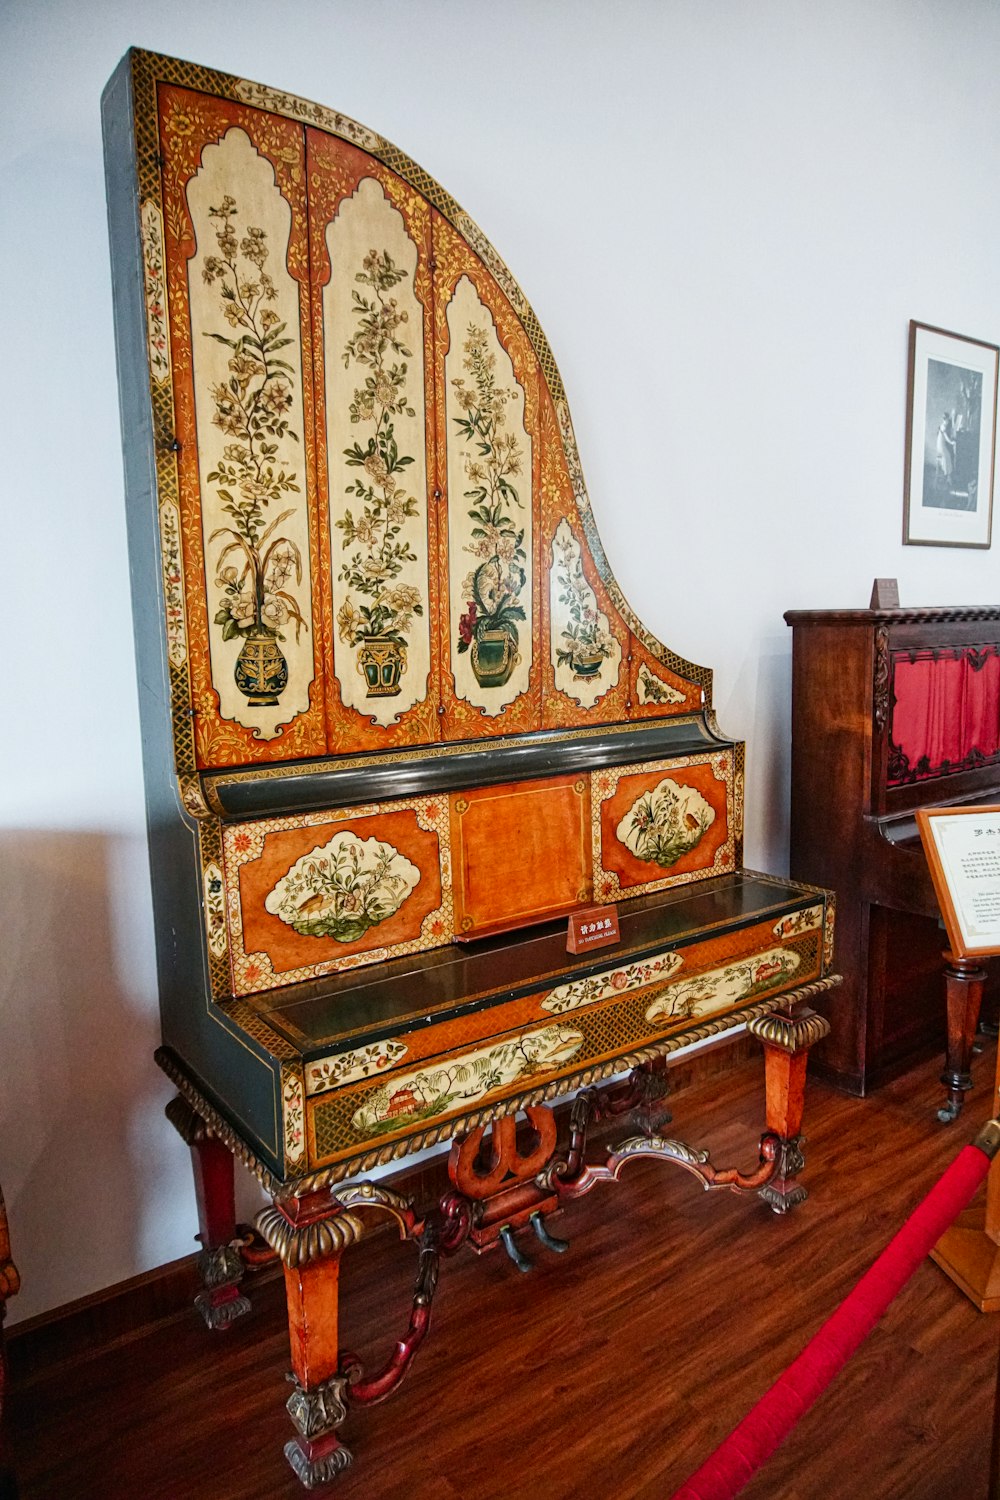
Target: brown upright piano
[399,727]
[892,710]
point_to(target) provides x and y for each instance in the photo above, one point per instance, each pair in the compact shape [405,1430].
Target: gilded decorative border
[881,679]
[147,69]
[251,1023]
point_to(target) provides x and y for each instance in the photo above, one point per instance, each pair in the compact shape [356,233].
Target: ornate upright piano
[399,727]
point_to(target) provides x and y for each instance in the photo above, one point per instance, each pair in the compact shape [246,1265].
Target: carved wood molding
[882,678]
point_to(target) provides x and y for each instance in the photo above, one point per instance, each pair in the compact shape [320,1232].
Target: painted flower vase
[494,656]
[586,663]
[381,663]
[261,671]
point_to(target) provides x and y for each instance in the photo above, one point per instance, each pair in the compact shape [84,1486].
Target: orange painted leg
[310,1235]
[786,1038]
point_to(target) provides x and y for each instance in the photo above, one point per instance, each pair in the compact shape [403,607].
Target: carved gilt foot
[220,1301]
[783,1192]
[317,1454]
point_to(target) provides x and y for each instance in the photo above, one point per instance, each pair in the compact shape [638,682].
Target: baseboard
[80,1329]
[127,1310]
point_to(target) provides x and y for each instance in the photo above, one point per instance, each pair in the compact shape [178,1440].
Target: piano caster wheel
[522,1262]
[949,1112]
[548,1240]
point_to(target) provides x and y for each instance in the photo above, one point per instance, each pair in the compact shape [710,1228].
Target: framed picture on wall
[950,439]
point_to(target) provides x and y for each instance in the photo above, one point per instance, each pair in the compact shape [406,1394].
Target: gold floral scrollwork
[173,583]
[157,327]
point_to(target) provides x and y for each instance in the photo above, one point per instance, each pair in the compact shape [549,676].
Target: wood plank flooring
[610,1371]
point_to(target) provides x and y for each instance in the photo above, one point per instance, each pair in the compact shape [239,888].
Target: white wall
[724,214]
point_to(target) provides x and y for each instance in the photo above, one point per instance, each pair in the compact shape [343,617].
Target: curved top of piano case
[374,529]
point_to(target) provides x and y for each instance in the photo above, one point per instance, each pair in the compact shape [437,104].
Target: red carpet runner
[749,1445]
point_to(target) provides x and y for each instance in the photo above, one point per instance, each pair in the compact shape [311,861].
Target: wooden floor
[610,1371]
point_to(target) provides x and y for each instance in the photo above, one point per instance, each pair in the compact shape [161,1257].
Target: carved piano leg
[786,1038]
[964,980]
[220,1263]
[309,1235]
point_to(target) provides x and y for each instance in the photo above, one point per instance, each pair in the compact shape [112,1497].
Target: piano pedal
[548,1240]
[520,1260]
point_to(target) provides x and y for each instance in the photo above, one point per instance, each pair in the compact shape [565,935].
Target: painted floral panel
[293,1114]
[663,825]
[462,1081]
[586,657]
[343,888]
[350,1067]
[615,982]
[247,360]
[489,510]
[288,923]
[719,989]
[375,412]
[799,921]
[652,689]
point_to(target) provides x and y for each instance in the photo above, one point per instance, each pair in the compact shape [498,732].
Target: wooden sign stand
[964,872]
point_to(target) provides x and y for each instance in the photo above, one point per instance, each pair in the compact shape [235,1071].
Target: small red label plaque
[597,927]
